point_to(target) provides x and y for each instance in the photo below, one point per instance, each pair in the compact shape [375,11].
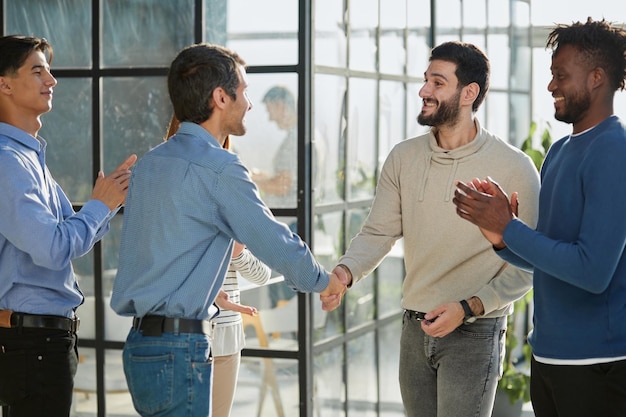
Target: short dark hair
[602,44]
[195,73]
[472,65]
[15,49]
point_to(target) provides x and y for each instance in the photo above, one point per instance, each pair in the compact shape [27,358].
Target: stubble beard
[576,106]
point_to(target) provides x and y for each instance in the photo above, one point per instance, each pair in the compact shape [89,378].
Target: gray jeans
[452,376]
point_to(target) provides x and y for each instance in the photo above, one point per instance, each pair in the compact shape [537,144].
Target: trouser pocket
[150,380]
[12,376]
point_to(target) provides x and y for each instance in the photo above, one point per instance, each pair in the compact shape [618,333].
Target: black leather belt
[416,315]
[156,325]
[45,322]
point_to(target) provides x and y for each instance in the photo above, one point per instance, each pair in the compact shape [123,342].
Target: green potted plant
[514,386]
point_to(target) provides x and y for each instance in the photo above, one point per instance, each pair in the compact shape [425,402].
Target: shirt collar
[37,144]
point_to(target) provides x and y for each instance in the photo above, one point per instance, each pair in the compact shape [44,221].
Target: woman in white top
[228,337]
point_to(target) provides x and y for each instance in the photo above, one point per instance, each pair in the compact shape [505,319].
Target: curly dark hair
[601,43]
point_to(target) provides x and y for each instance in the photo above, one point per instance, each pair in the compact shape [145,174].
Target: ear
[470,92]
[220,98]
[597,77]
[5,86]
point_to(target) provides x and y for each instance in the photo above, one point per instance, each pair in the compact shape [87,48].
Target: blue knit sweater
[577,249]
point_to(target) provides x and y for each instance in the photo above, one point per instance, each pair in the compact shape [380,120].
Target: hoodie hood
[452,157]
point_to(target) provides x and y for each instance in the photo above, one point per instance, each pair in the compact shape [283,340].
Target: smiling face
[239,107]
[440,95]
[569,85]
[30,89]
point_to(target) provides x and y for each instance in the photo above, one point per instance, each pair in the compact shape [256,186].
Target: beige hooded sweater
[446,258]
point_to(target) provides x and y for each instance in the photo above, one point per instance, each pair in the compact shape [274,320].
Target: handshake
[339,280]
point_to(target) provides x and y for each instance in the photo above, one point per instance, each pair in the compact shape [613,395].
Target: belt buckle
[75,325]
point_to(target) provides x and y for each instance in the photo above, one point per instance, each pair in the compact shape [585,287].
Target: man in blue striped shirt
[188,199]
[40,234]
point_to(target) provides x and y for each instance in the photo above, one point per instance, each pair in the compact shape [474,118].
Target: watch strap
[468,311]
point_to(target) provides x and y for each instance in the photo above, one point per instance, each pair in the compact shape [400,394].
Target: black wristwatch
[469,314]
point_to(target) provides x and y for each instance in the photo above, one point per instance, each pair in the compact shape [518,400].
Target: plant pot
[504,408]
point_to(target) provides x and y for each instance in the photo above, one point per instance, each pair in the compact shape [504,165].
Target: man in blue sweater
[577,252]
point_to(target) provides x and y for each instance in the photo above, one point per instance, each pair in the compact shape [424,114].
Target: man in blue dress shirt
[188,199]
[39,236]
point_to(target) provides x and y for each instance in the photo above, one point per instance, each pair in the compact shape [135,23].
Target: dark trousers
[578,390]
[37,368]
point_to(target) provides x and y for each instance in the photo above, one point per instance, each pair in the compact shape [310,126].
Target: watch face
[470,320]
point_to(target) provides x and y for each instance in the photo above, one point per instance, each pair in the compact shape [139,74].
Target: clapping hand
[486,205]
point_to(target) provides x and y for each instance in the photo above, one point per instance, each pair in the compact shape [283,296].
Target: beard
[575,107]
[447,113]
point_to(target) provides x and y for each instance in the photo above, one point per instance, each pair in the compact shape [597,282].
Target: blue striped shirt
[39,231]
[188,199]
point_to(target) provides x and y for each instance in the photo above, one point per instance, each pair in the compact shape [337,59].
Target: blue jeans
[453,376]
[169,375]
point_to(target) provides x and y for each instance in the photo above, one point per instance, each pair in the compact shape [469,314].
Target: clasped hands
[485,204]
[338,282]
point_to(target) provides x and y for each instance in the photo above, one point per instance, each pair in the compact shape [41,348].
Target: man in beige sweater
[457,292]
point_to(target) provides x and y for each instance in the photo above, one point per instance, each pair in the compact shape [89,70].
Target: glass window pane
[328,247]
[362,376]
[118,399]
[390,275]
[330,33]
[269,149]
[136,113]
[392,50]
[328,383]
[498,13]
[329,118]
[391,118]
[418,21]
[521,13]
[362,117]
[499,56]
[413,107]
[66,25]
[474,13]
[363,25]
[520,124]
[266,34]
[68,130]
[448,17]
[216,21]
[389,358]
[258,380]
[417,54]
[520,56]
[480,41]
[85,400]
[497,105]
[145,33]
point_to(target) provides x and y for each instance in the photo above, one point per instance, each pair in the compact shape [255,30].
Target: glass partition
[68,133]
